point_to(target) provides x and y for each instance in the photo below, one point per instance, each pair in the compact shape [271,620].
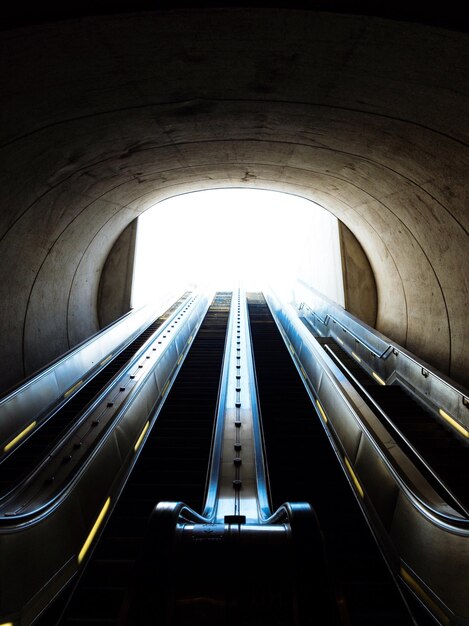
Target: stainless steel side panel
[39,552]
[382,356]
[59,380]
[426,542]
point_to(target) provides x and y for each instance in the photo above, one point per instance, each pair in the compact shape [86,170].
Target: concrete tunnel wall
[105,116]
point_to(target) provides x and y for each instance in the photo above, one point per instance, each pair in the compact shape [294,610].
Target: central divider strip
[236,561]
[237,487]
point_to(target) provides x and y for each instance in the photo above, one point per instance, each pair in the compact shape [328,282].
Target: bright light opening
[228,237]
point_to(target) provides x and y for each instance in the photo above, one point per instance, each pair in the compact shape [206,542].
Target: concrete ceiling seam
[192,102]
[94,164]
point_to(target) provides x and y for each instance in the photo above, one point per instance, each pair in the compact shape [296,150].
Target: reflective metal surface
[381,357]
[425,540]
[30,403]
[237,483]
[47,526]
[192,572]
[236,549]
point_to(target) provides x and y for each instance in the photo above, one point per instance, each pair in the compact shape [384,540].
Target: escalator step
[172,466]
[303,467]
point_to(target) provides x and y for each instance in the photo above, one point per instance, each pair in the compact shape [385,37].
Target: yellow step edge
[142,435]
[432,605]
[356,482]
[456,425]
[94,530]
[321,411]
[378,378]
[74,388]
[109,356]
[22,434]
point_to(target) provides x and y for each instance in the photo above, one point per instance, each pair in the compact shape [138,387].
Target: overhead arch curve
[107,116]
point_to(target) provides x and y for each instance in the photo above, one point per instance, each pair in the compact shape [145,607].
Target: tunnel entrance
[226,236]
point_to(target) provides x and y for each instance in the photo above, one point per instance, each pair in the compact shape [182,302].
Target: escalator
[236,562]
[23,458]
[437,450]
[303,466]
[172,464]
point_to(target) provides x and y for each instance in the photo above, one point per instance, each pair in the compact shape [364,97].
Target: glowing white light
[232,236]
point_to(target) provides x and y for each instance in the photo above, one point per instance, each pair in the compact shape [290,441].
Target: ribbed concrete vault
[103,117]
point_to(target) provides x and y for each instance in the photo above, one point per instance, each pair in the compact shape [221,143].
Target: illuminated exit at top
[226,236]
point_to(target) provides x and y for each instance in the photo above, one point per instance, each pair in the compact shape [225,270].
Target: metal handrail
[263,519]
[262,475]
[403,439]
[213,484]
[7,521]
[380,354]
[448,521]
[211,489]
[46,391]
[447,401]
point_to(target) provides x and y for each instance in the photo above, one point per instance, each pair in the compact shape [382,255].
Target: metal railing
[425,540]
[28,405]
[55,522]
[385,359]
[238,412]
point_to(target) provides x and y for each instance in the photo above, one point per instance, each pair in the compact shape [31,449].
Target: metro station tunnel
[229,454]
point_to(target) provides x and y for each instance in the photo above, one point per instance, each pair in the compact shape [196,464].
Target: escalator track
[303,466]
[172,466]
[239,563]
[23,459]
[440,448]
[219,576]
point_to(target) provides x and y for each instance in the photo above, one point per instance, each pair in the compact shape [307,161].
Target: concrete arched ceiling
[105,116]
